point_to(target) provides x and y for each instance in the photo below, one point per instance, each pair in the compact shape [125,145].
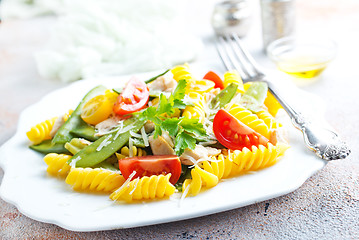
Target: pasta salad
[173,133]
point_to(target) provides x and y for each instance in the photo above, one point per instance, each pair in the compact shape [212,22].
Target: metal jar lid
[232,16]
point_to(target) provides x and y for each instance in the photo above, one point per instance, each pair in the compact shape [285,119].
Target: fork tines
[235,57]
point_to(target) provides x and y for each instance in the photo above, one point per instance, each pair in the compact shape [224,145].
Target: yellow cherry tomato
[97,109]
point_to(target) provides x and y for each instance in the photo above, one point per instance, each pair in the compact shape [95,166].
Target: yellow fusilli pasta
[268,119]
[125,152]
[196,111]
[41,131]
[94,179]
[200,86]
[250,119]
[231,164]
[57,164]
[67,115]
[145,188]
[233,77]
[257,157]
[182,72]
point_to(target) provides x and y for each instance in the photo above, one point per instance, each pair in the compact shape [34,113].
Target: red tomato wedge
[234,134]
[151,165]
[133,98]
[214,78]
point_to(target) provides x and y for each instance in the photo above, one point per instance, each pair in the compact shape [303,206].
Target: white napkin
[111,37]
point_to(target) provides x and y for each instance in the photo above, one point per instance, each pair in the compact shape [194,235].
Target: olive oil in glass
[304,65]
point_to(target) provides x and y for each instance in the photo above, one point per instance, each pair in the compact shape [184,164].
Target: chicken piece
[58,123]
[190,157]
[160,146]
[163,83]
[107,125]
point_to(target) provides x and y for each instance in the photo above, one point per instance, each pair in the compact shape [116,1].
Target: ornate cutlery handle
[323,141]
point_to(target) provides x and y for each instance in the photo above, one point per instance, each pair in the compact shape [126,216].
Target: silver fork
[323,141]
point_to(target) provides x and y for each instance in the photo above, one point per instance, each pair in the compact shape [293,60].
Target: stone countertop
[326,206]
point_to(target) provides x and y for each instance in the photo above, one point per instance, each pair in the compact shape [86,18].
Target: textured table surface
[326,206]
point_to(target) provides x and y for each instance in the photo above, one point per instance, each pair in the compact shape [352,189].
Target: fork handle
[323,141]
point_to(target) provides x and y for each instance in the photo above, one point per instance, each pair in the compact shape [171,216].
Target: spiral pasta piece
[67,115]
[269,120]
[57,164]
[200,86]
[136,152]
[94,179]
[200,178]
[209,174]
[145,188]
[257,157]
[233,77]
[197,111]
[231,164]
[41,131]
[250,119]
[272,104]
[182,72]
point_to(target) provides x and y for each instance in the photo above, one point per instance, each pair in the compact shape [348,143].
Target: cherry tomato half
[151,165]
[97,109]
[133,98]
[214,78]
[234,134]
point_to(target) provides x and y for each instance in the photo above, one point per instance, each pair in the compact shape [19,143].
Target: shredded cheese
[144,137]
[126,183]
[74,161]
[136,135]
[104,143]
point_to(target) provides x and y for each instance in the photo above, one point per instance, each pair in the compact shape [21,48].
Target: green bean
[64,134]
[76,145]
[155,77]
[85,131]
[48,146]
[106,165]
[225,96]
[107,145]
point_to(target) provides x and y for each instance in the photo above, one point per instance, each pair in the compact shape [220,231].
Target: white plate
[41,197]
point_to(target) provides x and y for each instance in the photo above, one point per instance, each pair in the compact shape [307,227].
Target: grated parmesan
[104,143]
[74,161]
[126,183]
[144,137]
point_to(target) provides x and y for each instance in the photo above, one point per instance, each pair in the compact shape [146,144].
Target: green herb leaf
[184,140]
[193,126]
[171,125]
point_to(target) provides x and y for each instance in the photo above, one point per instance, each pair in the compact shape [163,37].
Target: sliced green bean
[48,146]
[64,134]
[225,96]
[76,145]
[107,145]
